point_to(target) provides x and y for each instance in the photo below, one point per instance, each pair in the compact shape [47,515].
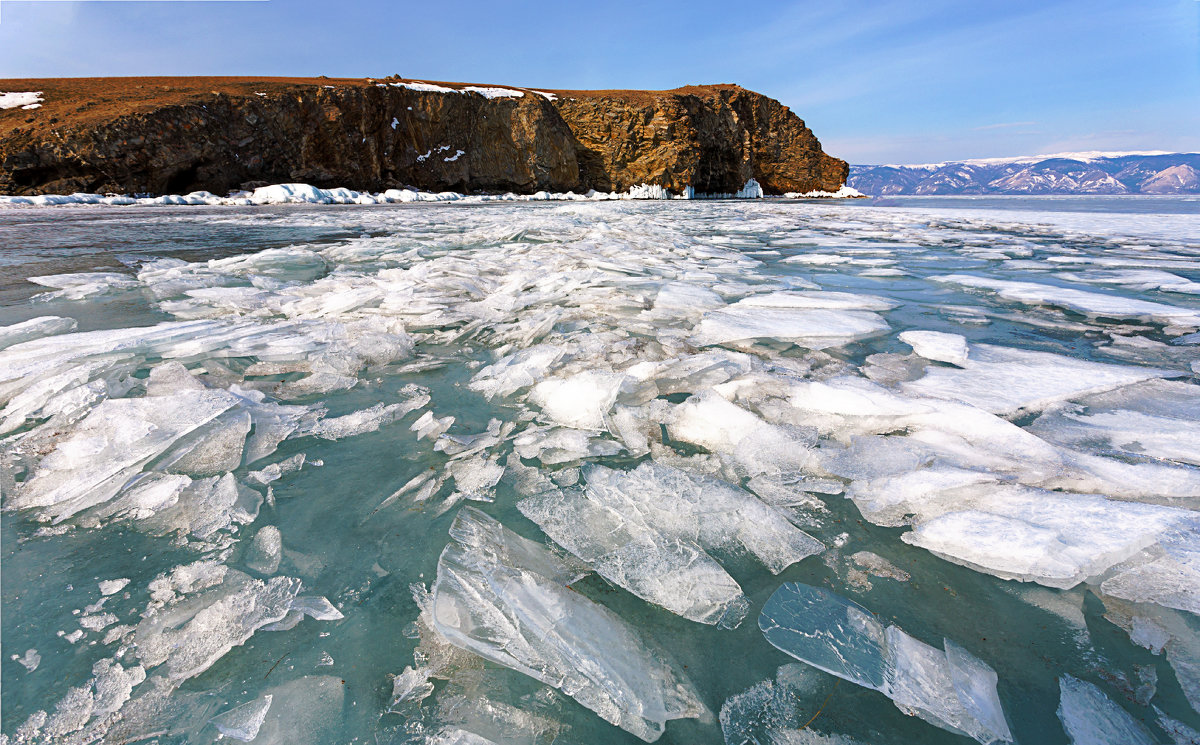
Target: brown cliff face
[713,138]
[175,135]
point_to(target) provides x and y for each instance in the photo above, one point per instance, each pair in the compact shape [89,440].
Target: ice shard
[505,599]
[951,689]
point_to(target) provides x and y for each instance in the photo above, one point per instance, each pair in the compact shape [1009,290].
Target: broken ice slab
[84,284]
[30,660]
[505,599]
[703,510]
[243,722]
[1057,539]
[1166,575]
[316,607]
[811,299]
[1162,630]
[200,508]
[693,372]
[846,405]
[1091,718]
[950,689]
[556,445]
[365,420]
[819,328]
[111,445]
[190,634]
[581,400]
[265,550]
[1005,380]
[1137,279]
[305,711]
[773,711]
[756,446]
[35,328]
[516,371]
[662,569]
[1095,304]
[1157,418]
[937,345]
[826,631]
[475,477]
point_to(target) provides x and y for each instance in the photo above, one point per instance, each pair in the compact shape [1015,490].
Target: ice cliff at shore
[174,135]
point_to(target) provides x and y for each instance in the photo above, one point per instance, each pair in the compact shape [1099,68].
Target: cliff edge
[176,135]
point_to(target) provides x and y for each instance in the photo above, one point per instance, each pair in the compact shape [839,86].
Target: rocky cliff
[175,135]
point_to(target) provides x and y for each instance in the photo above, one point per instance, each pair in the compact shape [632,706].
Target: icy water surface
[743,472]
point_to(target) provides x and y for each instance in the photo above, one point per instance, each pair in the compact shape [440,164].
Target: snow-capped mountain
[1063,173]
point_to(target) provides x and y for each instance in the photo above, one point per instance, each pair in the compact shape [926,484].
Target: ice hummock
[951,689]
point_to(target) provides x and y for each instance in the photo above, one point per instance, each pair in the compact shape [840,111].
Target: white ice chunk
[1168,576]
[672,573]
[1168,437]
[85,284]
[1004,380]
[813,299]
[366,420]
[111,445]
[712,422]
[937,345]
[1140,279]
[516,371]
[562,445]
[30,660]
[1053,538]
[582,400]
[112,586]
[265,551]
[813,329]
[975,685]
[429,426]
[188,636]
[682,299]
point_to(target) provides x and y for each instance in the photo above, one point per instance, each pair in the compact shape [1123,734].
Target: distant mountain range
[1063,173]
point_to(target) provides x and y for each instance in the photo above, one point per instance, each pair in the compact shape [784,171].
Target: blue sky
[878,81]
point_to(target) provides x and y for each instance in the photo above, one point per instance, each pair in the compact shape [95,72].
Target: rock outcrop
[175,135]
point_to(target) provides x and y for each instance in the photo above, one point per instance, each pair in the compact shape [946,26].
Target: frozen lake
[774,472]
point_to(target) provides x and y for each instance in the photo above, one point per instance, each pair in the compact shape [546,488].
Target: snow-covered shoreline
[307,194]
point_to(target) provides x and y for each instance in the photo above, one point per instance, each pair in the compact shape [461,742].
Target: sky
[878,81]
